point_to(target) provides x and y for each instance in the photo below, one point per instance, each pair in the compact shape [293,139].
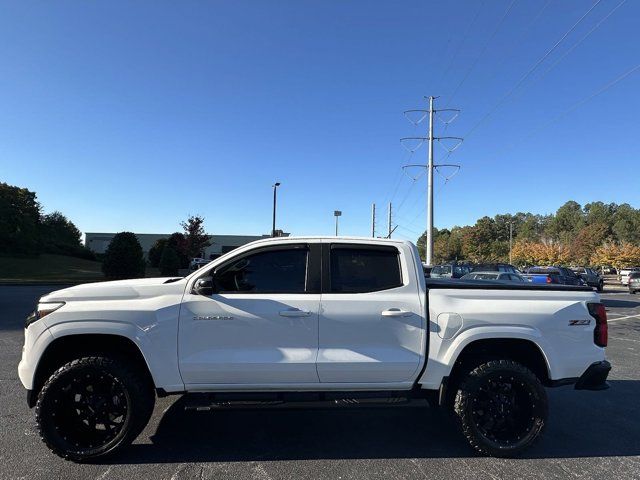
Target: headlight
[42,310]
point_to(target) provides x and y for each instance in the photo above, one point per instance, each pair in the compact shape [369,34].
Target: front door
[260,326]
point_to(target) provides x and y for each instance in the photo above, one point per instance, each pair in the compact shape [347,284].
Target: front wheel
[502,408]
[93,406]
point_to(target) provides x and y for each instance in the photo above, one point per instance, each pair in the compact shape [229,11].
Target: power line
[575,45]
[575,106]
[516,44]
[484,49]
[462,42]
[530,71]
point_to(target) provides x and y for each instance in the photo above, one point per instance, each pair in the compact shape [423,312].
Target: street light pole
[337,213]
[275,194]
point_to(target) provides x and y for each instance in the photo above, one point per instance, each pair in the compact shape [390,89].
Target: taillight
[601,333]
[548,278]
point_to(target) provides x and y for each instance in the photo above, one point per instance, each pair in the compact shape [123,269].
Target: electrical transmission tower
[422,114]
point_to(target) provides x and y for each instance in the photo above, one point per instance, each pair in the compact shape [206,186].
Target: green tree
[588,239]
[155,252]
[196,239]
[178,242]
[479,241]
[59,234]
[567,222]
[169,261]
[124,257]
[626,224]
[19,221]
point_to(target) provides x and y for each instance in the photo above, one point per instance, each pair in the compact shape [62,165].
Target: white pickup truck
[326,321]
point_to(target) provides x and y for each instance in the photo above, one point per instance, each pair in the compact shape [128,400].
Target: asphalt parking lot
[590,434]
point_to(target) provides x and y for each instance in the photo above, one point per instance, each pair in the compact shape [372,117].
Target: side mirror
[204,286]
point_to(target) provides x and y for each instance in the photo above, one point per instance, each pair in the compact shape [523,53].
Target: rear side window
[360,270]
[269,271]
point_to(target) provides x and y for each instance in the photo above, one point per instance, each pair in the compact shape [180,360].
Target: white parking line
[637,315]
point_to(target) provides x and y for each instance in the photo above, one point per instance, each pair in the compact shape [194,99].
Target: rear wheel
[92,407]
[502,408]
[600,286]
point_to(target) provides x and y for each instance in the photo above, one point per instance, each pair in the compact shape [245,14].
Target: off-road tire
[135,396]
[471,404]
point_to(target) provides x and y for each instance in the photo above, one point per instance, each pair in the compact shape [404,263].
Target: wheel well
[519,350]
[70,347]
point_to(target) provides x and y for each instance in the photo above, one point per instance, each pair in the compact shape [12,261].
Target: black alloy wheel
[502,408]
[91,407]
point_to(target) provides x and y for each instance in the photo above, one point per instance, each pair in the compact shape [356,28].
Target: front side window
[360,270]
[269,271]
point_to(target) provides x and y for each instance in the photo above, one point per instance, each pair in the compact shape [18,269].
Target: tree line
[26,231]
[594,234]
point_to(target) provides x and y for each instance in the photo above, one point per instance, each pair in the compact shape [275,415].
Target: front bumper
[595,377]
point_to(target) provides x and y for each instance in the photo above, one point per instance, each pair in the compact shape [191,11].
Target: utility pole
[429,253]
[430,162]
[389,230]
[373,220]
[510,240]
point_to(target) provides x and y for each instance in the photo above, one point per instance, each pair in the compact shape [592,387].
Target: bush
[124,257]
[169,262]
[155,252]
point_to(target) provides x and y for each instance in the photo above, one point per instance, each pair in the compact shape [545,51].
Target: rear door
[261,324]
[372,325]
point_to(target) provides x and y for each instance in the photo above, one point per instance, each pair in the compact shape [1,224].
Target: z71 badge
[579,322]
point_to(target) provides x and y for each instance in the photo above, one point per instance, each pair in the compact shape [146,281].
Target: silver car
[500,276]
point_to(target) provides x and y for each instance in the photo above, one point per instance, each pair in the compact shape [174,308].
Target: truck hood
[117,290]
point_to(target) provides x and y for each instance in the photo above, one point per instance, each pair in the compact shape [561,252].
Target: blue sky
[132,115]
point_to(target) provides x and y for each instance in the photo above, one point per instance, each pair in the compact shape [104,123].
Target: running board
[223,401]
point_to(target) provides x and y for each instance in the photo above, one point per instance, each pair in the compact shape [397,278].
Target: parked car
[500,276]
[634,282]
[197,263]
[590,277]
[556,275]
[335,321]
[494,267]
[449,270]
[625,272]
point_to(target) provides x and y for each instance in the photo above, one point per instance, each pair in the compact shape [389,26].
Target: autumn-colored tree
[616,255]
[196,239]
[540,253]
[586,242]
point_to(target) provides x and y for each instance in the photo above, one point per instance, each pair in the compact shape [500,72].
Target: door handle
[396,312]
[294,312]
